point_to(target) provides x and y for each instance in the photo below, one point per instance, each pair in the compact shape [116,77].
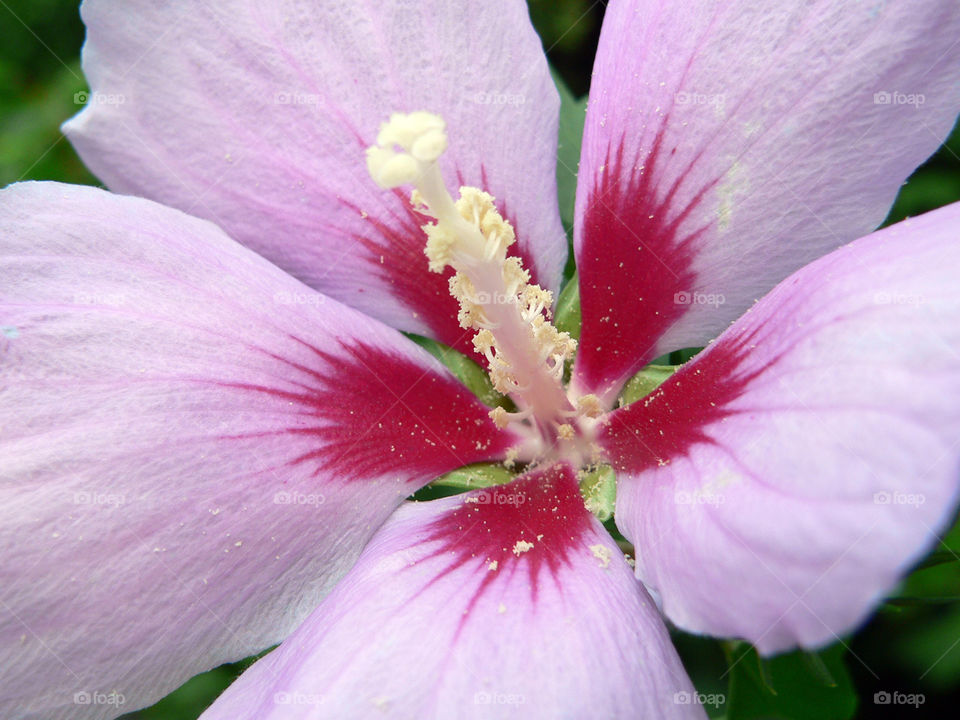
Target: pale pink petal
[727,144]
[779,484]
[193,447]
[256,116]
[510,602]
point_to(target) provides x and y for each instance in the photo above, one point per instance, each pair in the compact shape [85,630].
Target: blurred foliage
[39,77]
[911,645]
[793,686]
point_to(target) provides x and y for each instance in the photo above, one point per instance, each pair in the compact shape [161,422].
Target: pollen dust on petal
[602,553]
[521,547]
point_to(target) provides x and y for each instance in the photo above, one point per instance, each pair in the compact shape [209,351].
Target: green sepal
[599,490]
[567,316]
[478,475]
[645,382]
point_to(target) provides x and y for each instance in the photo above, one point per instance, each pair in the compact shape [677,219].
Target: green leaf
[920,601]
[479,475]
[645,382]
[466,370]
[795,686]
[940,557]
[570,136]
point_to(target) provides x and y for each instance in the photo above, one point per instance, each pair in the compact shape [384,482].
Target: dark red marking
[632,263]
[395,249]
[654,430]
[375,413]
[543,507]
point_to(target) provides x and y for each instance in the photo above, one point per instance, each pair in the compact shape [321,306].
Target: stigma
[510,316]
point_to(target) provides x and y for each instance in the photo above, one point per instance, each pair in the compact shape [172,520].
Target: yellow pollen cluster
[533,302]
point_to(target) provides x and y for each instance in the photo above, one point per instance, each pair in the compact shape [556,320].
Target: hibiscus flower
[211,422]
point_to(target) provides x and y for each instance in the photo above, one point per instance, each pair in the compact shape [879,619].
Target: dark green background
[910,646]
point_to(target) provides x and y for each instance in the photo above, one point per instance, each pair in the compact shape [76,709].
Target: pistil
[525,353]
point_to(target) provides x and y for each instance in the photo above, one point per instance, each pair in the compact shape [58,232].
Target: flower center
[511,317]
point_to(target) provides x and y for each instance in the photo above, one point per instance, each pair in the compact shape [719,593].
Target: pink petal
[728,144]
[448,615]
[194,447]
[256,116]
[778,485]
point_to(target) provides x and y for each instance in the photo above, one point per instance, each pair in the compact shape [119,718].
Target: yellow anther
[500,417]
[590,406]
[477,207]
[493,225]
[440,243]
[471,315]
[474,203]
[461,288]
[500,376]
[537,299]
[484,341]
[514,273]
